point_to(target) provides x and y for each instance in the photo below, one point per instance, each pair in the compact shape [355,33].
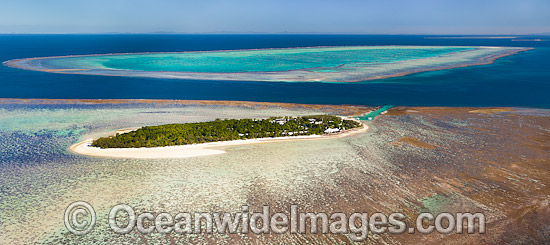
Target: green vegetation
[224,130]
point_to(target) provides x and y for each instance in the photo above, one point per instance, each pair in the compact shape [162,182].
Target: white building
[332,130]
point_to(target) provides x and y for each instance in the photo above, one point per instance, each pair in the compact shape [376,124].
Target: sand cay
[186,151]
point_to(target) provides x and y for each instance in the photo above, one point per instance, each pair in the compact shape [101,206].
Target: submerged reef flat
[411,160]
[346,110]
[314,64]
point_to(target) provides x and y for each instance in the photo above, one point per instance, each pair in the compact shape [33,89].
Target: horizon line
[267,33]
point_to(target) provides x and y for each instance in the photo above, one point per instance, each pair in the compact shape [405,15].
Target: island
[227,130]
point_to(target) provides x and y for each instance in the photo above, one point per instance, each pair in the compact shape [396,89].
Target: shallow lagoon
[38,175]
[517,80]
[374,171]
[315,64]
[262,60]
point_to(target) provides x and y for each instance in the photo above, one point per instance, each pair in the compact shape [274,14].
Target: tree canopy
[225,130]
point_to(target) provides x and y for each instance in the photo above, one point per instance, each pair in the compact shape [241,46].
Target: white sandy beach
[186,151]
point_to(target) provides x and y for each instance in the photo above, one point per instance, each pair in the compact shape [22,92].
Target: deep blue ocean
[522,80]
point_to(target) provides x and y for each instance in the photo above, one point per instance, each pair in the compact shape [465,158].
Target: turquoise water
[371,115]
[270,60]
[519,80]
